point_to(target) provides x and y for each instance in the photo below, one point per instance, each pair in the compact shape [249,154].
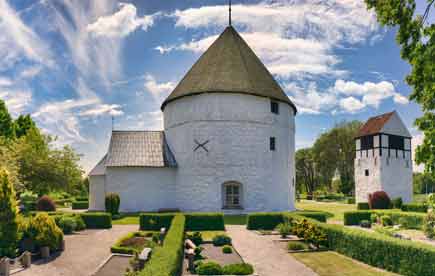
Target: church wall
[238,128]
[142,189]
[96,192]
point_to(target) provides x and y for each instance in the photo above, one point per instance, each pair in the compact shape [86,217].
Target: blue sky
[75,64]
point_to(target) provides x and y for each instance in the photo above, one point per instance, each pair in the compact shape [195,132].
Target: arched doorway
[232,195]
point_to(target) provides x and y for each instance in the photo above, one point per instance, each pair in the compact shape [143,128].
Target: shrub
[8,216]
[204,221]
[112,202]
[413,220]
[317,215]
[81,198]
[209,268]
[379,200]
[154,222]
[226,249]
[386,221]
[196,238]
[220,240]
[284,229]
[374,218]
[363,206]
[415,207]
[410,222]
[296,246]
[355,217]
[350,200]
[80,224]
[97,220]
[155,237]
[397,202]
[45,204]
[80,205]
[198,250]
[238,269]
[129,244]
[167,260]
[28,200]
[264,221]
[67,224]
[429,225]
[365,224]
[44,231]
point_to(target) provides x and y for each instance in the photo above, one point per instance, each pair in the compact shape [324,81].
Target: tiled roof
[374,125]
[229,66]
[139,149]
[100,168]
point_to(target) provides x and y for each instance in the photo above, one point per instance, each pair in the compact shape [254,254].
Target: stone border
[107,260]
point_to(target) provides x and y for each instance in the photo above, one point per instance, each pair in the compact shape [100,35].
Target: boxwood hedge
[414,207]
[204,221]
[355,217]
[167,260]
[155,221]
[77,205]
[97,220]
[264,221]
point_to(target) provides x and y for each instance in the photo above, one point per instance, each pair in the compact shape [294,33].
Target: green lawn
[331,264]
[207,235]
[335,208]
[133,218]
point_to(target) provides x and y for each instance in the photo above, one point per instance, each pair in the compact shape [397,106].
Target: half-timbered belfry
[383,160]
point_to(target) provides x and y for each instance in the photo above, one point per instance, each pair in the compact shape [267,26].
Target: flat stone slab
[144,254]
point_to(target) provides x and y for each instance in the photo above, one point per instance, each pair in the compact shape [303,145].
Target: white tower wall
[238,128]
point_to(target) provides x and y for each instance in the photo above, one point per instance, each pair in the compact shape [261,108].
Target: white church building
[228,142]
[383,159]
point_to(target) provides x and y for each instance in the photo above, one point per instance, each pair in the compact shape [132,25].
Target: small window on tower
[367,172]
[272,143]
[274,107]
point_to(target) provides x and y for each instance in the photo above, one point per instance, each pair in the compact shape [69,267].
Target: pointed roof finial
[229,13]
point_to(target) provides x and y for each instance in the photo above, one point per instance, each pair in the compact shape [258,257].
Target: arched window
[232,195]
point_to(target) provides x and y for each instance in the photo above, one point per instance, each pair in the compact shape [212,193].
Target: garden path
[267,257]
[84,252]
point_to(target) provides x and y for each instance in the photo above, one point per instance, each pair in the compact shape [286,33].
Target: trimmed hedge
[80,205]
[120,249]
[363,206]
[414,207]
[412,220]
[155,221]
[166,260]
[355,217]
[396,255]
[264,221]
[319,216]
[204,221]
[97,220]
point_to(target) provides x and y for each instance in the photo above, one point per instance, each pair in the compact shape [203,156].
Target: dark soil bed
[115,266]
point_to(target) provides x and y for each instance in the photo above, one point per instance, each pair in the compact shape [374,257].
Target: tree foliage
[8,216]
[332,151]
[423,183]
[23,124]
[417,39]
[6,122]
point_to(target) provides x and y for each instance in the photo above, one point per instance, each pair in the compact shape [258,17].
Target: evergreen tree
[8,216]
[6,122]
[23,124]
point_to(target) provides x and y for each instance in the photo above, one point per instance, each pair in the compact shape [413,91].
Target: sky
[75,65]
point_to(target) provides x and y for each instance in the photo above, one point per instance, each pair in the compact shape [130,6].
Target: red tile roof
[374,124]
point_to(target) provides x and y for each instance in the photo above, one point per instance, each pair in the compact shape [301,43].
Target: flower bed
[133,243]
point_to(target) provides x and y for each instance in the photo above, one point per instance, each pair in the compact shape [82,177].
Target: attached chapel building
[228,142]
[383,159]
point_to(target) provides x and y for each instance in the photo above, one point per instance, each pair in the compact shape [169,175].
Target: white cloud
[30,72]
[159,91]
[121,23]
[16,100]
[293,38]
[372,93]
[351,104]
[152,120]
[309,100]
[19,41]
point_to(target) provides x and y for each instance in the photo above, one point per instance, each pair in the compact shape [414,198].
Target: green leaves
[417,38]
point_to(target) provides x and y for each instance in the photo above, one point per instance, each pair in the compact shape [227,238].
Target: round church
[228,142]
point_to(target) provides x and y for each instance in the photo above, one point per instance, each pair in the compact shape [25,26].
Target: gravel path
[267,257]
[84,252]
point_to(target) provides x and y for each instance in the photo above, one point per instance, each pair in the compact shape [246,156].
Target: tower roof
[389,123]
[229,66]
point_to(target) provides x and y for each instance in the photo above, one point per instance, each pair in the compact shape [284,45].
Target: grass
[208,235]
[329,263]
[235,219]
[127,218]
[335,208]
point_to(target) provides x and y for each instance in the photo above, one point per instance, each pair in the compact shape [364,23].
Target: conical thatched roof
[229,66]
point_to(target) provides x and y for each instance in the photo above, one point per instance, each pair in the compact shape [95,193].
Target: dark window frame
[272,143]
[274,107]
[366,172]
